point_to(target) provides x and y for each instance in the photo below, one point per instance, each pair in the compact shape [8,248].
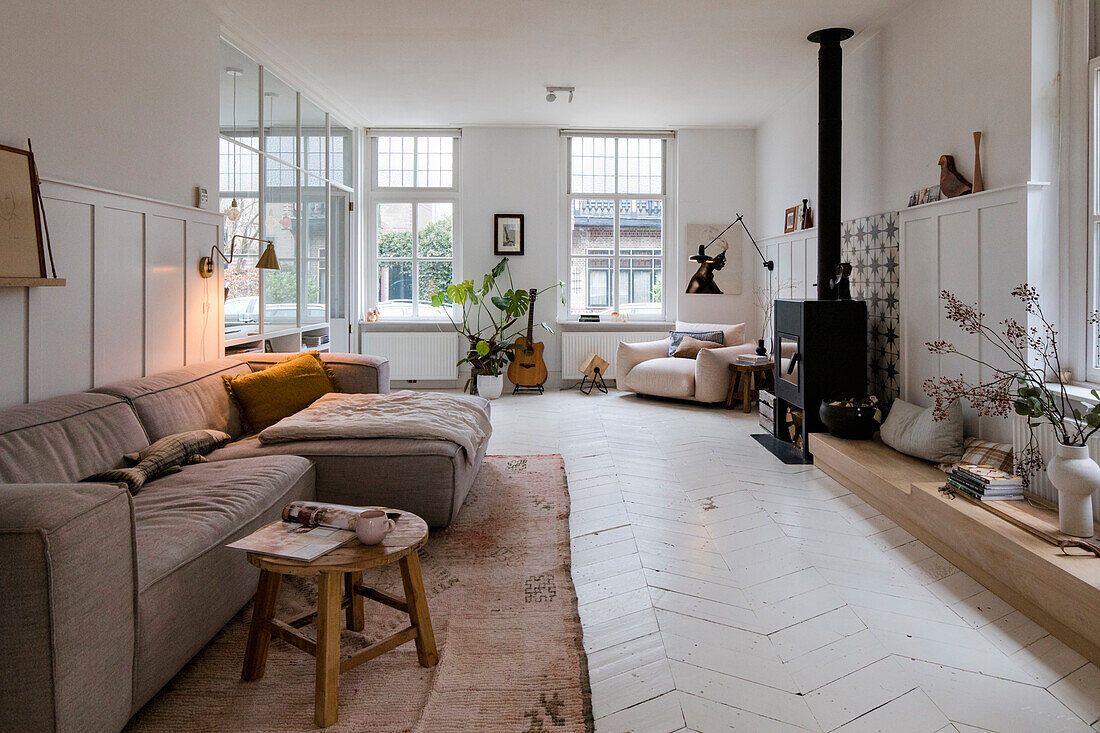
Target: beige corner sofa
[646,368]
[105,595]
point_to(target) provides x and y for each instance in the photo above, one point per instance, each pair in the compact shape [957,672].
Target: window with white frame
[414,228]
[616,193]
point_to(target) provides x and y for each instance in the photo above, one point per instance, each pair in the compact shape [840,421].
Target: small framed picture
[508,241]
[790,220]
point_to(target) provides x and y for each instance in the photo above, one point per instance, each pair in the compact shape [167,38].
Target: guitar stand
[596,381]
[520,389]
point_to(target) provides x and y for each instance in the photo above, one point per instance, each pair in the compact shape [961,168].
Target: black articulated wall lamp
[702,282]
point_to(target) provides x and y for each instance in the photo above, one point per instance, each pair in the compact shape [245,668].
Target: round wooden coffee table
[340,587]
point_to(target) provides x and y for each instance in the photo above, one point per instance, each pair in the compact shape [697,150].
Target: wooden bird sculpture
[952,183]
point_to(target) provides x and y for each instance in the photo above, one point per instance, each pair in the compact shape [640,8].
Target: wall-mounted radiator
[575,345]
[1040,484]
[415,355]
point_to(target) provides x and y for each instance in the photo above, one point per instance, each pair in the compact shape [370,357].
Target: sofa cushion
[665,377]
[675,338]
[266,397]
[185,514]
[191,398]
[690,347]
[914,431]
[732,334]
[189,583]
[427,477]
[64,439]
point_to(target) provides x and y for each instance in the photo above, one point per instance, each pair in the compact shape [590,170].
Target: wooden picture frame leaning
[22,250]
[508,235]
[790,220]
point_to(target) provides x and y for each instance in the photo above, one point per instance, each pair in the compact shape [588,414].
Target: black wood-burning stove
[820,349]
[820,346]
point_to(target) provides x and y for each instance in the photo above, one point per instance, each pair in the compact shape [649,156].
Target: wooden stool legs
[263,610]
[418,610]
[330,594]
[335,592]
[355,601]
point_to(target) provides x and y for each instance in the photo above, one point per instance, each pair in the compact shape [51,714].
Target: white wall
[716,180]
[514,170]
[118,94]
[914,88]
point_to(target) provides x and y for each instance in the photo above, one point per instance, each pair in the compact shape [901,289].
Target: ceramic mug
[372,526]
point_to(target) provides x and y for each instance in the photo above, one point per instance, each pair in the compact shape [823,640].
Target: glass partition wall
[286,174]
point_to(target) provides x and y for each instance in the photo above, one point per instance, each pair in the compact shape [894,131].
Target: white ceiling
[635,63]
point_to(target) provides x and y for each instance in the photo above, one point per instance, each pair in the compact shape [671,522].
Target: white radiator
[1040,484]
[575,345]
[415,355]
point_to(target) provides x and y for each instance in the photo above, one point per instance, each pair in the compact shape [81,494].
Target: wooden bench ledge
[1057,591]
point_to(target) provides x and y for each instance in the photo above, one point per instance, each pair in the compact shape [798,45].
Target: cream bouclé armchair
[646,368]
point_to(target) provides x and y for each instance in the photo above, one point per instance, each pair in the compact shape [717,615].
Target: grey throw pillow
[911,430]
[163,457]
[675,337]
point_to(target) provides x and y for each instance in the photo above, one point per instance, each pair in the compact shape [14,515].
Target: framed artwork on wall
[21,247]
[508,238]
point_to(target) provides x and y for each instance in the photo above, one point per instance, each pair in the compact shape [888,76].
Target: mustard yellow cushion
[267,396]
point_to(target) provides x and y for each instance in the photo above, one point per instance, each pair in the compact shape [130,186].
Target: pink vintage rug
[505,616]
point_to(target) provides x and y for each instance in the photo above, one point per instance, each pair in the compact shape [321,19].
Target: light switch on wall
[202,198]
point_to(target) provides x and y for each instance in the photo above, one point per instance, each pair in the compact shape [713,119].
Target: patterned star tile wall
[871,245]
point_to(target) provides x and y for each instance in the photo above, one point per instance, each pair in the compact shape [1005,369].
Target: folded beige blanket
[404,414]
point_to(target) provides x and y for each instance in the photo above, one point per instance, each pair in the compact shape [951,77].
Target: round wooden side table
[340,588]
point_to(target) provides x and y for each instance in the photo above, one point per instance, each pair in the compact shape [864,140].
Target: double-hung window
[616,193]
[414,220]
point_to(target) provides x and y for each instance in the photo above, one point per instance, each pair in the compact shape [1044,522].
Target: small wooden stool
[746,381]
[340,587]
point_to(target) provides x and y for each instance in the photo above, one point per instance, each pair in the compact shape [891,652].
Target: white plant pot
[490,387]
[1076,476]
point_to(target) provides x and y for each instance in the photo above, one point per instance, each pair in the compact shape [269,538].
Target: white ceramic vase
[1076,476]
[490,387]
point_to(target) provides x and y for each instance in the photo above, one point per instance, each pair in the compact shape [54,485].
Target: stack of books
[986,483]
[753,359]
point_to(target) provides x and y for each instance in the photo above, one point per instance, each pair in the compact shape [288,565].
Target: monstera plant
[486,317]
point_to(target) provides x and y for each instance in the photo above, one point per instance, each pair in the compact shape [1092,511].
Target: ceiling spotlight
[552,93]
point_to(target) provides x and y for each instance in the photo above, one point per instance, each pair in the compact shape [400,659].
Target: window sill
[612,325]
[1081,391]
[414,325]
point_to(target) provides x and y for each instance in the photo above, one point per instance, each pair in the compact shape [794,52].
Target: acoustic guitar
[528,369]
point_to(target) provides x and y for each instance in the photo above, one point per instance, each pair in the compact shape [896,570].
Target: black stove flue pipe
[829,64]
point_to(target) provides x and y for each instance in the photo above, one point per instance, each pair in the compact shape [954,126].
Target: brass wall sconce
[267,261]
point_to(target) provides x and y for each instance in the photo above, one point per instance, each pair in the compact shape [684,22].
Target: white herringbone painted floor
[721,590]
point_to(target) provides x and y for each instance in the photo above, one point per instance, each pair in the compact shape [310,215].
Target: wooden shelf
[32,282]
[1058,591]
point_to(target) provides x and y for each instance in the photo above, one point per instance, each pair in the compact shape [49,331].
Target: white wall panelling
[575,345]
[976,247]
[416,355]
[133,302]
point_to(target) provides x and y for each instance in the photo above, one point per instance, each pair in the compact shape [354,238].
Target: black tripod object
[595,381]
